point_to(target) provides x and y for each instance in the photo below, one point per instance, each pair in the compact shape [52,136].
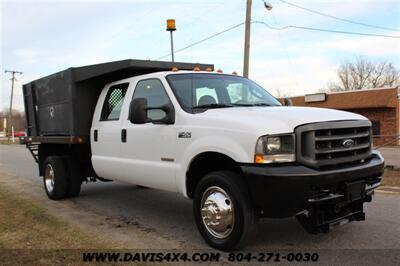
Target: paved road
[171,215]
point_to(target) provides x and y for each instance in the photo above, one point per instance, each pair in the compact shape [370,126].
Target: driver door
[147,155]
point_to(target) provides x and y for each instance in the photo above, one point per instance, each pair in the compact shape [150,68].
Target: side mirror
[138,112]
[287,101]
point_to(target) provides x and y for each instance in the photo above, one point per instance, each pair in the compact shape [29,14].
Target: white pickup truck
[219,139]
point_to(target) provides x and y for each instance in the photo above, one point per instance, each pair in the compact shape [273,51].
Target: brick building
[381,106]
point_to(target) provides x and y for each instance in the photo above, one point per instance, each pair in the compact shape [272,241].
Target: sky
[43,37]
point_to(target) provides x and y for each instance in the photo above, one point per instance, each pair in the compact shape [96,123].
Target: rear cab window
[113,102]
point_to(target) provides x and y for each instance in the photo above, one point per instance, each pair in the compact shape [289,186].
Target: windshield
[202,91]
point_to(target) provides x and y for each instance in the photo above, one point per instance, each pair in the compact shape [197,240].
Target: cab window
[154,91]
[113,102]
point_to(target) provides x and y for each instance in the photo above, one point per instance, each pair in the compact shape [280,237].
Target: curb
[388,190]
[392,167]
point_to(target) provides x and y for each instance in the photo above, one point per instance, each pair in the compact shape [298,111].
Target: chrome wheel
[49,178]
[217,212]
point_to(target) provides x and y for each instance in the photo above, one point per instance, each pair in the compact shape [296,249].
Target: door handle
[123,135]
[95,135]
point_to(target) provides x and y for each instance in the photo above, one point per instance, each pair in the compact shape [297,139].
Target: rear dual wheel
[61,177]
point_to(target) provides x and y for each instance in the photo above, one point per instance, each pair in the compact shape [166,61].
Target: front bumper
[288,190]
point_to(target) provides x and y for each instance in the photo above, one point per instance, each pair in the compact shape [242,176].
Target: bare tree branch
[362,73]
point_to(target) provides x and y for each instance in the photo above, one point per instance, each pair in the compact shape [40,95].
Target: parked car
[19,134]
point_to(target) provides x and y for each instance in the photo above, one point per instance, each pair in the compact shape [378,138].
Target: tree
[18,119]
[362,73]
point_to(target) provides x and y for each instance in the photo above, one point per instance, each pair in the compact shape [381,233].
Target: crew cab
[221,140]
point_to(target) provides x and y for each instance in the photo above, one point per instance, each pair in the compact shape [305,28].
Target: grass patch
[29,234]
[9,142]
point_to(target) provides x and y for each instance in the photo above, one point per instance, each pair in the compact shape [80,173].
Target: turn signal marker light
[258,158]
[196,68]
[174,69]
[219,71]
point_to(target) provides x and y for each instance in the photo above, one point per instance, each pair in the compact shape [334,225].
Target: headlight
[275,149]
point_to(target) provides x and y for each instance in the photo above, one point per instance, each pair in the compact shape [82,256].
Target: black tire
[74,177]
[244,215]
[55,177]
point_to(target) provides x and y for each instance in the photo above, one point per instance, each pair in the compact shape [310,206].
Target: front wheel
[223,211]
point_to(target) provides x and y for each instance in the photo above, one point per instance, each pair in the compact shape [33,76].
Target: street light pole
[171,28]
[13,79]
[247,40]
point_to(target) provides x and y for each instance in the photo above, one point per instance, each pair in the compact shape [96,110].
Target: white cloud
[375,46]
[310,75]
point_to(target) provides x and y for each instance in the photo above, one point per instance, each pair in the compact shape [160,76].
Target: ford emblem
[347,143]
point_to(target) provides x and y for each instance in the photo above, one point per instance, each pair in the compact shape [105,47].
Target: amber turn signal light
[258,158]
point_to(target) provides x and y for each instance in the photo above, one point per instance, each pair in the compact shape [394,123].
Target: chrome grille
[332,143]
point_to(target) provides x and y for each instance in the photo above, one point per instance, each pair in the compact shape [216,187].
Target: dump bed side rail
[55,139]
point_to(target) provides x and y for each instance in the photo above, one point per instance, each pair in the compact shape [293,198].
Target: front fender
[237,151]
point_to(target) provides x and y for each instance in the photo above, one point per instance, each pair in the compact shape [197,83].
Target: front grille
[332,143]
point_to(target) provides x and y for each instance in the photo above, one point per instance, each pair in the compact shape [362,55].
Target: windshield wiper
[213,105]
[242,104]
[263,104]
[252,104]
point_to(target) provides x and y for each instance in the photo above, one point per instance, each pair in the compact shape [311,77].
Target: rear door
[106,132]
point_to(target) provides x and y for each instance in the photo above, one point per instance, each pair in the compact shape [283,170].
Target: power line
[278,28]
[338,18]
[287,55]
[325,30]
[203,40]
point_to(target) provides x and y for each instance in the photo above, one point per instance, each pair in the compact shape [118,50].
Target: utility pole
[13,79]
[246,58]
[247,40]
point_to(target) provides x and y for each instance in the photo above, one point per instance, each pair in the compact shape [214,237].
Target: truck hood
[272,120]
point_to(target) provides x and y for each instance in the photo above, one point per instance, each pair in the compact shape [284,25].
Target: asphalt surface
[170,215]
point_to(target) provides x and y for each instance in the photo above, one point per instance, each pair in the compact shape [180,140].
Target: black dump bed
[61,105]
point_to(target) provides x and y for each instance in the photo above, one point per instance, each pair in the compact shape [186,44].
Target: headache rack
[333,143]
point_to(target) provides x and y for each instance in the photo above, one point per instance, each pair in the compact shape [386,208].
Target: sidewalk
[392,156]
